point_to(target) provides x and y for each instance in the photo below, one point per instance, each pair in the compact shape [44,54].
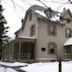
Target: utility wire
[26,1]
[42,3]
[46,6]
[56,13]
[56,2]
[14,4]
[61,6]
[70,1]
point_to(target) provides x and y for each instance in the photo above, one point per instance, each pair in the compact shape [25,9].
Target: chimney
[64,9]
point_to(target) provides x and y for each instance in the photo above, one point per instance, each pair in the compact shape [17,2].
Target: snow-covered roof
[37,7]
[42,14]
[68,42]
[39,12]
[25,37]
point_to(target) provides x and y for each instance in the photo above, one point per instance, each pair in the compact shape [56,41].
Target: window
[52,48]
[68,32]
[67,49]
[32,30]
[52,29]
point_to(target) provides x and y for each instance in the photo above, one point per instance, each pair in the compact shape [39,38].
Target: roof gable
[66,13]
[39,12]
[69,12]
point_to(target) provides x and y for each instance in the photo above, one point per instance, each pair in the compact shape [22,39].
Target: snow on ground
[42,67]
[2,69]
[13,64]
[37,67]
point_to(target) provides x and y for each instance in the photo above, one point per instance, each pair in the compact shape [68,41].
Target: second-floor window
[32,30]
[68,32]
[52,29]
[52,48]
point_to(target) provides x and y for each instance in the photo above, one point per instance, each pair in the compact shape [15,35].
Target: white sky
[14,15]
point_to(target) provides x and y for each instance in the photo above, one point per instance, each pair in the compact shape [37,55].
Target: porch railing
[25,55]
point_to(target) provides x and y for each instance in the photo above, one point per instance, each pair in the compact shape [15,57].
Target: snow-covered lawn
[36,67]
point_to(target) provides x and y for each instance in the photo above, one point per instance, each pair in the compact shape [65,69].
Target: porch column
[19,49]
[29,53]
[12,50]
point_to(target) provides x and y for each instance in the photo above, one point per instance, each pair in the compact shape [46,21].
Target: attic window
[30,16]
[32,30]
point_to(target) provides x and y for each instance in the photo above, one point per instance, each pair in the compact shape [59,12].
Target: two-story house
[41,38]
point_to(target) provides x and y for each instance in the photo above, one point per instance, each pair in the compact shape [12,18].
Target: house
[41,37]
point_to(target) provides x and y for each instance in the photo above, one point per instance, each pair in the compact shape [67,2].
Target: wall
[44,39]
[26,31]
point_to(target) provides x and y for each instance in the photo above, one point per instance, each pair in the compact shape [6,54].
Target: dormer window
[48,12]
[32,30]
[30,16]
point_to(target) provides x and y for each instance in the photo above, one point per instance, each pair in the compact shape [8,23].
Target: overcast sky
[14,14]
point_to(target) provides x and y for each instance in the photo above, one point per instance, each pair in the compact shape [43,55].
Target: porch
[23,49]
[68,49]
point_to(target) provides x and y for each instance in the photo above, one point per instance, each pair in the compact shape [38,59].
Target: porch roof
[68,42]
[25,39]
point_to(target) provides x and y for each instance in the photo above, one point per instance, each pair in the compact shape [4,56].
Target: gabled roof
[67,12]
[32,8]
[41,14]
